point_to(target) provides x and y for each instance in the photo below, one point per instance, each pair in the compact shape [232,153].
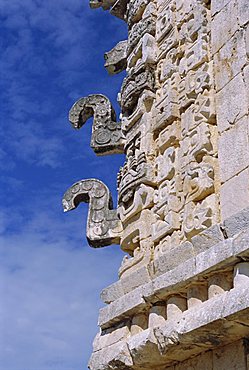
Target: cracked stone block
[233,201]
[230,60]
[231,103]
[233,148]
[227,20]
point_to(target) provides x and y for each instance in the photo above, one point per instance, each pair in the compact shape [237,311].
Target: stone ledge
[201,243]
[217,258]
[214,323]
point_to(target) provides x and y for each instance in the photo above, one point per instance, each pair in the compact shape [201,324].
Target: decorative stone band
[106,132]
[216,322]
[103,226]
[214,264]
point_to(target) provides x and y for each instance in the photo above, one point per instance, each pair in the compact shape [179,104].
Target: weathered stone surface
[103,225]
[228,19]
[234,150]
[116,59]
[117,357]
[231,357]
[106,132]
[232,202]
[207,238]
[231,103]
[230,60]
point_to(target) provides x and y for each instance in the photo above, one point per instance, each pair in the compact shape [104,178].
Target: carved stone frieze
[135,10]
[103,226]
[145,25]
[134,85]
[106,132]
[116,59]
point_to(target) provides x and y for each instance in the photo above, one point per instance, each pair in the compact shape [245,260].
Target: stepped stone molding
[106,132]
[103,226]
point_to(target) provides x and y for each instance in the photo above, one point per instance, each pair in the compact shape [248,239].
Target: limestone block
[196,294]
[117,357]
[144,349]
[241,274]
[219,283]
[233,201]
[243,10]
[241,243]
[130,304]
[231,103]
[227,19]
[172,258]
[246,73]
[110,337]
[217,5]
[233,149]
[215,255]
[230,59]
[247,40]
[175,306]
[163,284]
[112,292]
[207,238]
[230,357]
[133,280]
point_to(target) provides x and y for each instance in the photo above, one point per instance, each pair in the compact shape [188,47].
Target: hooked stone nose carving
[106,131]
[103,226]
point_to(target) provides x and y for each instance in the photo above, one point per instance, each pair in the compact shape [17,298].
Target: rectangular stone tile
[234,195]
[243,10]
[230,59]
[217,5]
[227,21]
[233,150]
[231,103]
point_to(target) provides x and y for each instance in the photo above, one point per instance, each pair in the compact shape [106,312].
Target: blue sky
[51,55]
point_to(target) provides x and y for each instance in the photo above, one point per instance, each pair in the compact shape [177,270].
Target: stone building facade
[182,298]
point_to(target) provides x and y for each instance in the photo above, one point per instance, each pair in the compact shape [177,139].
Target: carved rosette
[103,226]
